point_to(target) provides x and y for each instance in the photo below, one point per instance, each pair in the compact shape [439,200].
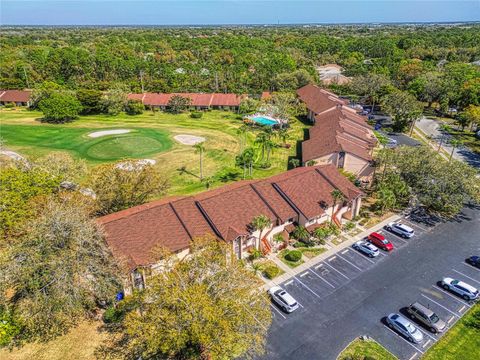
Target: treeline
[240,60]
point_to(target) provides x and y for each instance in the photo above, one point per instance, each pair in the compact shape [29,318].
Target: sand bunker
[135,165]
[97,134]
[189,139]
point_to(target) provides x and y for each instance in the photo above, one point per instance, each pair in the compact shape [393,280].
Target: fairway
[35,140]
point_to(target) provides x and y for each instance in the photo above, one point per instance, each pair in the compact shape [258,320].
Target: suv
[366,248]
[400,229]
[283,299]
[379,241]
[427,317]
[404,327]
[466,291]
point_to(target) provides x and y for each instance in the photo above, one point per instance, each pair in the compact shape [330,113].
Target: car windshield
[434,318]
[454,282]
[385,241]
[410,328]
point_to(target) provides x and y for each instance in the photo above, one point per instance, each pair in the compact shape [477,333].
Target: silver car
[466,291]
[283,299]
[400,229]
[404,327]
[366,248]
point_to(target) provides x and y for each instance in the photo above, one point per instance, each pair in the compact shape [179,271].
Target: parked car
[400,229]
[366,248]
[379,241]
[427,317]
[391,143]
[466,291]
[283,299]
[404,327]
[474,261]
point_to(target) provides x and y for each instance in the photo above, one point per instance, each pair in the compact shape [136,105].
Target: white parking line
[450,311]
[413,356]
[363,257]
[478,282]
[425,333]
[278,311]
[289,282]
[316,267]
[401,337]
[398,237]
[426,343]
[313,292]
[451,319]
[355,266]
[332,258]
[305,273]
[470,266]
[462,309]
[412,223]
[345,276]
[344,251]
[321,278]
[452,296]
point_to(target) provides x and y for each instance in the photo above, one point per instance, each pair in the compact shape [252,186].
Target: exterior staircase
[266,247]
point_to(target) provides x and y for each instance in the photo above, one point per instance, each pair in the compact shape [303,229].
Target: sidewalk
[289,272]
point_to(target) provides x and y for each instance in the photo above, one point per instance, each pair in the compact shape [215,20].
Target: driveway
[431,128]
[348,295]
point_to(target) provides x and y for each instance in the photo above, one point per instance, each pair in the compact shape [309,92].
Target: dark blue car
[474,261]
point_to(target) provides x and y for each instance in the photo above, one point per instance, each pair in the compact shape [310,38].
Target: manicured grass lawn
[311,252]
[460,342]
[368,349]
[152,137]
[292,264]
[79,344]
[468,139]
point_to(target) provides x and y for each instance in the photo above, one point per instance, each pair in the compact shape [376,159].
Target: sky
[221,12]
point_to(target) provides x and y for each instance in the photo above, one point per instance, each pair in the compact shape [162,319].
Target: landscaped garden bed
[311,252]
[365,349]
[292,258]
[268,269]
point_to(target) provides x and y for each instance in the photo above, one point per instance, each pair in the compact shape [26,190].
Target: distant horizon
[168,13]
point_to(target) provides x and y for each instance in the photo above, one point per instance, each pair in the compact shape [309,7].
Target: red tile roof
[197,99]
[16,96]
[317,99]
[339,129]
[227,212]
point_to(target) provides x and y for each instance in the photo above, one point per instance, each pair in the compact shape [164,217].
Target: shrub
[271,271]
[349,226]
[134,107]
[9,328]
[113,315]
[196,115]
[9,105]
[255,254]
[293,255]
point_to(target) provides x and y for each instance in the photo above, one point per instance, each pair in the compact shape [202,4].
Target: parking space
[448,306]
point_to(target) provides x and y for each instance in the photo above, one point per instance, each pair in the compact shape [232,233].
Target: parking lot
[349,294]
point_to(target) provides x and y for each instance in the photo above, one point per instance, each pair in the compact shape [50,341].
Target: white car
[400,229]
[366,248]
[283,299]
[466,291]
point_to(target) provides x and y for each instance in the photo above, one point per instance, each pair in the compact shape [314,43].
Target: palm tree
[444,129]
[337,196]
[262,139]
[301,233]
[242,131]
[455,143]
[294,163]
[283,135]
[260,223]
[199,149]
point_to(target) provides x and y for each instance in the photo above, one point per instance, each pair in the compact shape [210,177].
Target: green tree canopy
[60,107]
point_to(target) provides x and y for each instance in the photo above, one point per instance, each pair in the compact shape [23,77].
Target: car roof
[288,298]
[467,286]
[404,227]
[402,320]
[377,235]
[422,308]
[371,246]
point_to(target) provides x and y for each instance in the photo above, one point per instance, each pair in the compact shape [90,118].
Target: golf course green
[138,143]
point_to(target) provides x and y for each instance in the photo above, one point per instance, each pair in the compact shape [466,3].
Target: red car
[379,241]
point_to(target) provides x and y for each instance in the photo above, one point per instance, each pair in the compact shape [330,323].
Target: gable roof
[317,99]
[197,99]
[226,212]
[339,129]
[16,96]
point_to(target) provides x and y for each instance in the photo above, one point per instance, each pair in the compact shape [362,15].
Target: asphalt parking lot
[348,294]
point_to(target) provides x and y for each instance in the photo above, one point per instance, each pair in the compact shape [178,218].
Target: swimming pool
[263,120]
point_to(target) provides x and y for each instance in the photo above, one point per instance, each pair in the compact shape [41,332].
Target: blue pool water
[263,120]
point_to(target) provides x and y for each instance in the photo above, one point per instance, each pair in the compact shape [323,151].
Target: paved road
[348,294]
[431,127]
